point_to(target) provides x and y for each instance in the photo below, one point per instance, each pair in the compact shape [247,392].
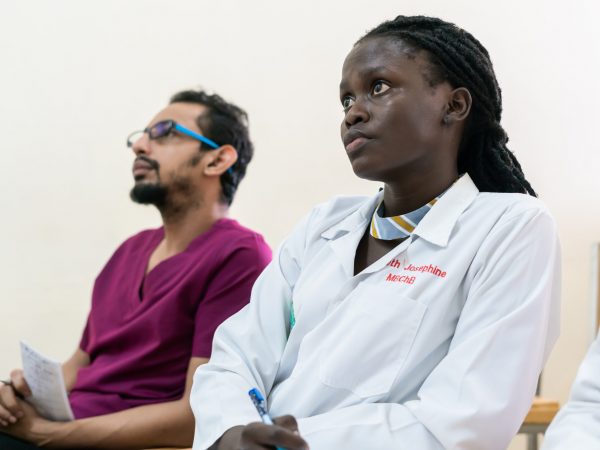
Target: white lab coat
[577,425]
[438,344]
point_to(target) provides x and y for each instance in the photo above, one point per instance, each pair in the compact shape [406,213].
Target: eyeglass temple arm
[195,135]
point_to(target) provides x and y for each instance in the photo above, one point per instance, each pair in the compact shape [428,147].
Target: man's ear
[459,105]
[219,160]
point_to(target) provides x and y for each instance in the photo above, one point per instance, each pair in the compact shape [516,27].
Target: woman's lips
[356,143]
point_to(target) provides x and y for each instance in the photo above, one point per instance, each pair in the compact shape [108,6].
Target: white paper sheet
[45,379]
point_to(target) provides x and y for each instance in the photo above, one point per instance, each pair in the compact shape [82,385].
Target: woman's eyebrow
[374,70]
[367,72]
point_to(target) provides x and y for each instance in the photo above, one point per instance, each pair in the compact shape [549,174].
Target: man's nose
[141,146]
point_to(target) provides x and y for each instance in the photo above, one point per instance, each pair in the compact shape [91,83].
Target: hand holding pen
[280,432]
[11,390]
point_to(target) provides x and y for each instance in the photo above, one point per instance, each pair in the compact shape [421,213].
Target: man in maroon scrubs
[159,299]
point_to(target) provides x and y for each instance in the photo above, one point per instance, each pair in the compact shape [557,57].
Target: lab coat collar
[357,218]
[438,223]
[435,227]
[344,236]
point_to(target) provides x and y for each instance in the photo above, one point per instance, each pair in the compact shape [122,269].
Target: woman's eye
[347,102]
[380,87]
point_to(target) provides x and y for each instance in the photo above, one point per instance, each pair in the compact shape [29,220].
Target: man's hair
[457,57]
[224,123]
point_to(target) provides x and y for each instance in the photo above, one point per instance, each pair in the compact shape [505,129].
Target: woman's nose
[356,113]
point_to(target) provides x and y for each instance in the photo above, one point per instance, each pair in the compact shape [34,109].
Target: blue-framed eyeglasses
[166,127]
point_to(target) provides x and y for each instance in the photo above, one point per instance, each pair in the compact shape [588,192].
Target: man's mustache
[150,162]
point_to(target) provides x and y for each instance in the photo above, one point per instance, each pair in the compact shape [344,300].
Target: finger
[272,435]
[288,422]
[9,402]
[6,415]
[19,383]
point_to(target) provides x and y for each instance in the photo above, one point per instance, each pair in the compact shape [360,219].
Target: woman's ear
[220,160]
[459,106]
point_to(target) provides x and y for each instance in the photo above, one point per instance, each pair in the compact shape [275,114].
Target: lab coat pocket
[365,351]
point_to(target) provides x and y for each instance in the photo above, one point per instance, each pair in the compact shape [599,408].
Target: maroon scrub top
[143,329]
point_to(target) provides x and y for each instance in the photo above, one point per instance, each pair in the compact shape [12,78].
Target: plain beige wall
[76,77]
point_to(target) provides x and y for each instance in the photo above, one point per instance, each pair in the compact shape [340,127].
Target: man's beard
[149,194]
[164,197]
[146,193]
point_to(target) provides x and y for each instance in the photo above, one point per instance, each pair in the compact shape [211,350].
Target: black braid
[460,59]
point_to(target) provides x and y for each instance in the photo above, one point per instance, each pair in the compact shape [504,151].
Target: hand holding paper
[45,379]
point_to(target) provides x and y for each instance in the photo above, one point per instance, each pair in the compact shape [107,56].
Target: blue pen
[259,403]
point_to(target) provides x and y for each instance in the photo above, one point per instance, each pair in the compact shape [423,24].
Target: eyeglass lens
[156,131]
[160,129]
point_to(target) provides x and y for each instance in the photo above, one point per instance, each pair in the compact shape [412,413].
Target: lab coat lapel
[344,247]
[385,259]
[345,235]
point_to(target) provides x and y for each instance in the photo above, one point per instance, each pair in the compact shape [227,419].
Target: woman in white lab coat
[577,425]
[418,318]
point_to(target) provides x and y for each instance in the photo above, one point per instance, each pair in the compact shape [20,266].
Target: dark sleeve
[229,291]
[84,343]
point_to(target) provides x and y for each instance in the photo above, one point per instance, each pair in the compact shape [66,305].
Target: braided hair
[457,57]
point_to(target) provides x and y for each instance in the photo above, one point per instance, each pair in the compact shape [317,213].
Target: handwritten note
[45,379]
